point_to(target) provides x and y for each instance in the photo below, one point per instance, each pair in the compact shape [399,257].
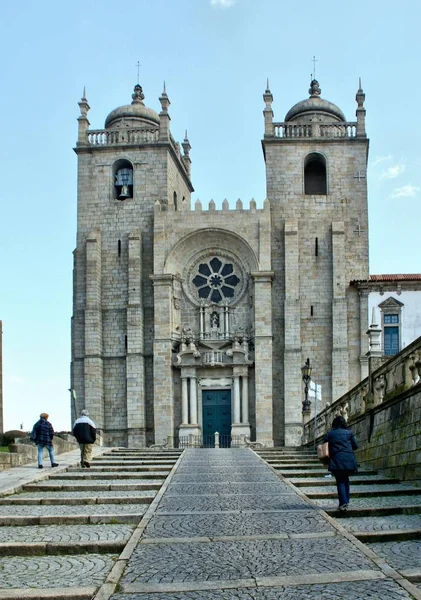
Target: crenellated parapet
[211,208]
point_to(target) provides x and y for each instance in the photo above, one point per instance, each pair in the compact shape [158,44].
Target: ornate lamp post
[306,371]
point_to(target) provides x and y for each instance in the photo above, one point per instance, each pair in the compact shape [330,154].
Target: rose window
[215,280]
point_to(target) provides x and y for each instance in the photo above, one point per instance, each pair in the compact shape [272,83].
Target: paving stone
[400,555]
[264,476]
[69,533]
[55,571]
[386,523]
[159,563]
[79,509]
[370,502]
[175,489]
[258,503]
[234,524]
[355,590]
[117,494]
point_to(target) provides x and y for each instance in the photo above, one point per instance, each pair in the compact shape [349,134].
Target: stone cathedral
[188,320]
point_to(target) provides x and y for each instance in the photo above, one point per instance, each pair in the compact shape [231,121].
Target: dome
[135,113]
[315,104]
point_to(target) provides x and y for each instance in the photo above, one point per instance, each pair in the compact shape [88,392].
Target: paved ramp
[225,526]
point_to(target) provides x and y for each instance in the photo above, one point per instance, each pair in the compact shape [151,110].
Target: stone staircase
[61,535]
[384,514]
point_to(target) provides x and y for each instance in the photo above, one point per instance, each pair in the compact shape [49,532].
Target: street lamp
[306,371]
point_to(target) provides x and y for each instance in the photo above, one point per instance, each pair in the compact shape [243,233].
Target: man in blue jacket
[42,434]
[84,431]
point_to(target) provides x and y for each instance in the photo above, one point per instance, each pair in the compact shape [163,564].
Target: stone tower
[317,188]
[123,171]
[189,321]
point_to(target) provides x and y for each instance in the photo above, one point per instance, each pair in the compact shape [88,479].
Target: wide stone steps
[61,535]
[384,513]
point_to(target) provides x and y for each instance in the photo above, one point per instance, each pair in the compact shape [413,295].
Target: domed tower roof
[135,114]
[315,105]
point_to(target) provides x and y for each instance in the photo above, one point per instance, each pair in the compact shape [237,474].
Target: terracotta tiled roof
[389,278]
[395,277]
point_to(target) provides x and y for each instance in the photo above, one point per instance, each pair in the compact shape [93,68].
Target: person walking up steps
[84,431]
[42,434]
[342,461]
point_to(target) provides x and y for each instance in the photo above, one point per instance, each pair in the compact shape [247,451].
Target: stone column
[135,365]
[93,367]
[263,355]
[292,354]
[245,399]
[193,400]
[339,313]
[162,358]
[189,403]
[236,400]
[184,401]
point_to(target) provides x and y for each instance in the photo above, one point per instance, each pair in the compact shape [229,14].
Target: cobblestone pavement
[232,524]
[377,501]
[84,494]
[375,590]
[225,526]
[71,533]
[80,509]
[386,523]
[47,571]
[402,555]
[82,528]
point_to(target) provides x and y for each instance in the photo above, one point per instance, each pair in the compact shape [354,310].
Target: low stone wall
[389,436]
[24,451]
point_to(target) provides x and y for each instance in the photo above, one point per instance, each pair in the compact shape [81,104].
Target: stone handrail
[315,130]
[112,137]
[397,375]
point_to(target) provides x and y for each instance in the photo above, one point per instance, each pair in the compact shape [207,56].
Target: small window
[123,179]
[315,181]
[389,319]
[175,200]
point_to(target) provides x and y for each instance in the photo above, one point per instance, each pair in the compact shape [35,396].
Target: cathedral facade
[188,320]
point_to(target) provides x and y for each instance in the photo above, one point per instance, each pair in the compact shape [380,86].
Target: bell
[124,193]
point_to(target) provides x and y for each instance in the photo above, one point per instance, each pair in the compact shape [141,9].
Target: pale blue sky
[215,56]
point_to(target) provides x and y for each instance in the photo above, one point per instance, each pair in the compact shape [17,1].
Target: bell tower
[125,170]
[316,180]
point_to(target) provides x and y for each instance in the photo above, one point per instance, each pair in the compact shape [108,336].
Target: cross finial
[314,60]
[138,65]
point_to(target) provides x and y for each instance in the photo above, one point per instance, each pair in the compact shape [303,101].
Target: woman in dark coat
[342,461]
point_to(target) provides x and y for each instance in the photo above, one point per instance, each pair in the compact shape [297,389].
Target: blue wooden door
[216,416]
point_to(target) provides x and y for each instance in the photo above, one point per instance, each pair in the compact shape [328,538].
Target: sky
[215,57]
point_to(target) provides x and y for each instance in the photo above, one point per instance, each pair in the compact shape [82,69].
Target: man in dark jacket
[84,431]
[42,434]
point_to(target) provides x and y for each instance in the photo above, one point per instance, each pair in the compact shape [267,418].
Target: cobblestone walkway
[225,526]
[63,531]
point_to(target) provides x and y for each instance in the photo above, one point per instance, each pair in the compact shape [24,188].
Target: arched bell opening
[315,178]
[122,179]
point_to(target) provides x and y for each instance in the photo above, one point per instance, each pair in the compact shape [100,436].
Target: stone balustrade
[397,375]
[112,137]
[315,130]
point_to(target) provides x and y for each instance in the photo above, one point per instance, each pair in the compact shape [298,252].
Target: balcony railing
[315,130]
[112,137]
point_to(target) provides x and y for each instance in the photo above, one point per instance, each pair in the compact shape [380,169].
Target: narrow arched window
[315,181]
[175,200]
[122,179]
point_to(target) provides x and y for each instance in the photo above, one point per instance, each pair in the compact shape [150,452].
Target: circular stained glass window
[215,279]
